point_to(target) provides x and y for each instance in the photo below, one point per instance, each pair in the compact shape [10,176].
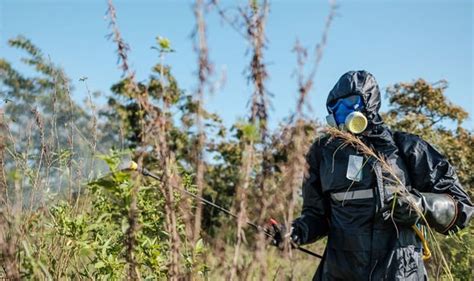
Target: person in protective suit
[347,195]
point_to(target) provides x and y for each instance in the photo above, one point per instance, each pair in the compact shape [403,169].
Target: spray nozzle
[132,165]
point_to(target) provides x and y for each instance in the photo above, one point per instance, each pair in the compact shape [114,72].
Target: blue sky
[395,40]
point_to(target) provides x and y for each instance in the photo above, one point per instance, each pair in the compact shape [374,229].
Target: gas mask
[345,114]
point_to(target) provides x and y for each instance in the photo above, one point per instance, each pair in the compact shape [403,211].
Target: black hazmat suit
[361,244]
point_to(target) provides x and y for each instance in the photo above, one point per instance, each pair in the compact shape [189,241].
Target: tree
[46,127]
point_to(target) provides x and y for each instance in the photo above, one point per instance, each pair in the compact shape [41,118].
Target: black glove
[406,208]
[280,235]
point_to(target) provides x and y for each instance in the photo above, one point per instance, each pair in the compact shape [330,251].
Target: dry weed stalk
[54,136]
[400,190]
[70,141]
[255,18]
[296,142]
[319,50]
[3,182]
[233,22]
[306,83]
[8,237]
[92,126]
[295,166]
[171,178]
[204,71]
[241,203]
[44,153]
[8,246]
[122,47]
[250,23]
[122,51]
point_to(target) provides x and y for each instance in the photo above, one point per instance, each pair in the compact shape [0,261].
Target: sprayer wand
[134,167]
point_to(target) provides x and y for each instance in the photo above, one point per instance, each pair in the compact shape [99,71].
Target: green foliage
[112,196]
[460,246]
[95,235]
[424,99]
[123,113]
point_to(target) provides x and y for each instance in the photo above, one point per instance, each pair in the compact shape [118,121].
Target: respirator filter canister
[356,122]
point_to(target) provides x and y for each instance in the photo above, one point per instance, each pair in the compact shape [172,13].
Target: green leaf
[125,225]
[105,182]
[121,177]
[85,251]
[199,248]
[99,265]
[164,43]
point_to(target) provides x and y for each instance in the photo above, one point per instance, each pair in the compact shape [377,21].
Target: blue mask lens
[344,107]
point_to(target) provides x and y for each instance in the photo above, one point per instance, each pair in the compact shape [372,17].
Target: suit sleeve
[313,222]
[447,206]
